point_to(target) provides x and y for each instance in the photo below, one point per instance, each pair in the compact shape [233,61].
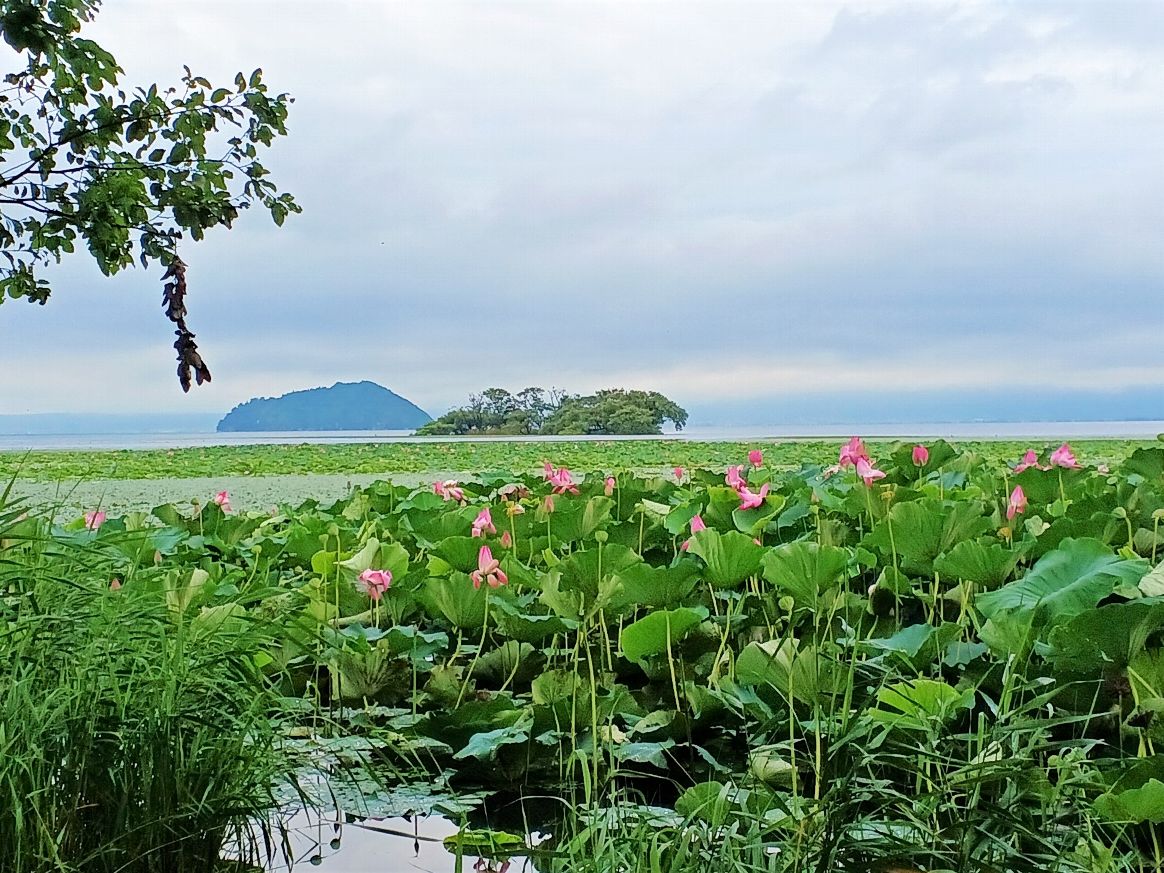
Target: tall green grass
[138,733]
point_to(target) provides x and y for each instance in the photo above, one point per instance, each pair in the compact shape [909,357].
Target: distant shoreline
[1141,429]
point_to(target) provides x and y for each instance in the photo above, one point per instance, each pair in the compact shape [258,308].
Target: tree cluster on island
[541,411]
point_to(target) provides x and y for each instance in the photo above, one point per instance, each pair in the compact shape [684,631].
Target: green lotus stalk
[593,715]
[671,664]
[713,679]
[476,654]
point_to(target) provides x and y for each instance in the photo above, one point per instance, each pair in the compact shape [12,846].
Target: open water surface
[950,430]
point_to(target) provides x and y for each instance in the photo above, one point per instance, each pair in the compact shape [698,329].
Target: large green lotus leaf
[753,521]
[799,674]
[1146,462]
[460,552]
[1066,582]
[585,571]
[644,585]
[940,452]
[1111,635]
[1142,804]
[1152,585]
[518,623]
[794,512]
[722,502]
[916,703]
[805,569]
[730,558]
[413,642]
[485,746]
[1008,632]
[709,802]
[510,659]
[560,685]
[567,604]
[652,634]
[433,526]
[919,644]
[359,675]
[920,530]
[455,725]
[678,520]
[425,500]
[644,753]
[457,600]
[986,564]
[573,520]
[364,559]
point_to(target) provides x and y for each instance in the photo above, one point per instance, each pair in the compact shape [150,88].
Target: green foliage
[125,173]
[878,677]
[137,731]
[537,411]
[615,411]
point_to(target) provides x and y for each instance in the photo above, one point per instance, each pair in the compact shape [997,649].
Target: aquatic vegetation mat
[904,658]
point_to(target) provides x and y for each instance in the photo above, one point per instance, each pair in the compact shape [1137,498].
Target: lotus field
[922,661]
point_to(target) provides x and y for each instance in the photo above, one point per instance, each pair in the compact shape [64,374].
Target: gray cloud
[712,198]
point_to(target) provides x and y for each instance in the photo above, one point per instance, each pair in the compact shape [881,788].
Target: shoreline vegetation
[477,454]
[900,657]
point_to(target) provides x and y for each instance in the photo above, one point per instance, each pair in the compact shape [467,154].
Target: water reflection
[392,845]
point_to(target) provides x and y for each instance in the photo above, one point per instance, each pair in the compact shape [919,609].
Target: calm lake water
[949,430]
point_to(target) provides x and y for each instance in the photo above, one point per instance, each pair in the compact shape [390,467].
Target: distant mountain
[343,406]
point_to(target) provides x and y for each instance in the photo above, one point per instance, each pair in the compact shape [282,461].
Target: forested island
[343,406]
[541,411]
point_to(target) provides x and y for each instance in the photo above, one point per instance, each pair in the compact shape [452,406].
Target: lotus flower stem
[593,713]
[476,654]
[671,665]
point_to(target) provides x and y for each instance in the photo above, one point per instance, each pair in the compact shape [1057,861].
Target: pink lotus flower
[548,503]
[115,585]
[678,471]
[733,477]
[750,500]
[696,526]
[852,452]
[1063,457]
[608,486]
[506,540]
[513,491]
[222,498]
[513,509]
[1030,459]
[756,458]
[483,523]
[562,480]
[488,570]
[921,456]
[449,490]
[868,472]
[94,520]
[1018,502]
[375,582]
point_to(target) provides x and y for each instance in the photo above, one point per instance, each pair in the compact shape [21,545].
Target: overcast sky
[721,201]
